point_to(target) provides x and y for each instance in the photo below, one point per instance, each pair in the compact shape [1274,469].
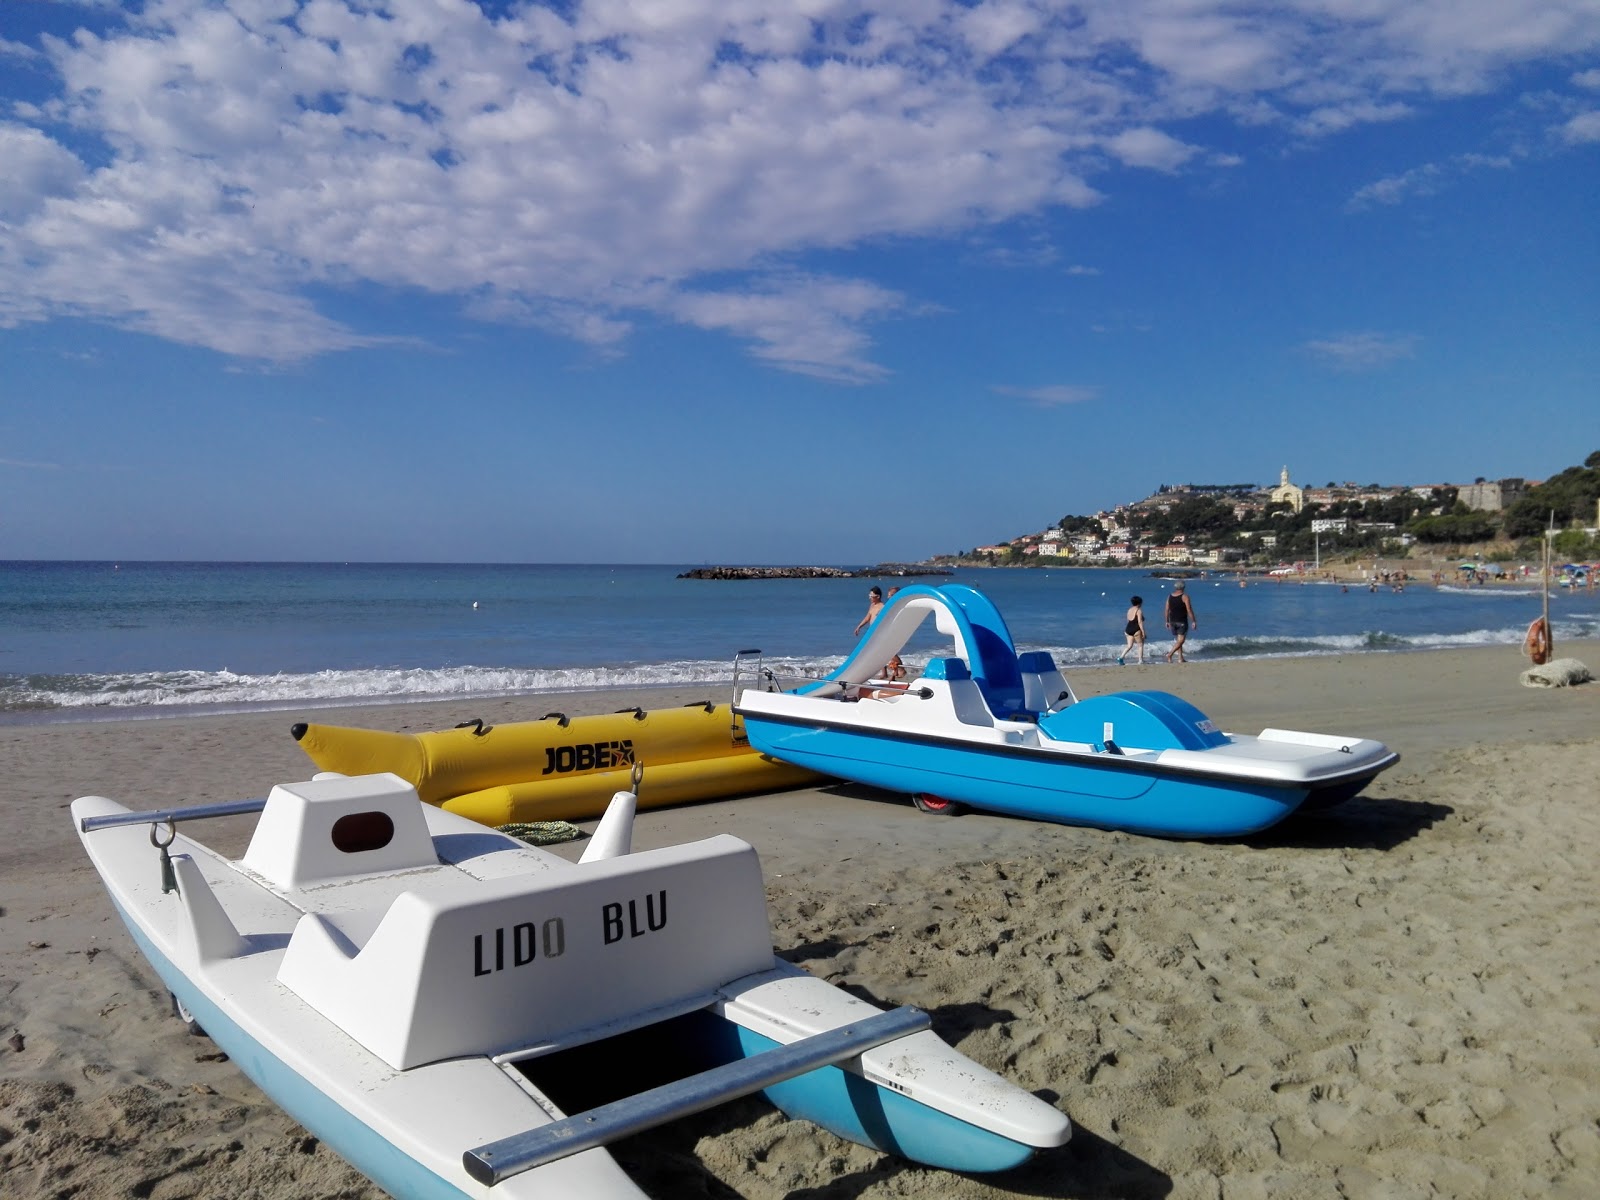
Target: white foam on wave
[173,691]
[1499,591]
[178,689]
[1366,642]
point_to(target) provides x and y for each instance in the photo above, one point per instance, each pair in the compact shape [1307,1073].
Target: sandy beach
[1398,998]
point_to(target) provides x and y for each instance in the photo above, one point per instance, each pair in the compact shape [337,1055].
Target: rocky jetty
[906,569]
[883,569]
[767,573]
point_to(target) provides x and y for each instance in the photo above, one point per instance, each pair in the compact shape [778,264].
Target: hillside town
[1246,525]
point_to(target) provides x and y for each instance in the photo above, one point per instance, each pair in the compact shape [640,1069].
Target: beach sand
[1398,998]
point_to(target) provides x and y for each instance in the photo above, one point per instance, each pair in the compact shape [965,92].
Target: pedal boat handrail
[500,1160]
[171,816]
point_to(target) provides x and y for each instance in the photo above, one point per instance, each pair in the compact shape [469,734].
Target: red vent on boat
[356,832]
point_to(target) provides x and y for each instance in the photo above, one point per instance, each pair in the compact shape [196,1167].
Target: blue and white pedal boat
[987,727]
[425,994]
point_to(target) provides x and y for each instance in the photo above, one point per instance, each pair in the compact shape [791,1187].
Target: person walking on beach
[1180,619]
[1133,628]
[874,607]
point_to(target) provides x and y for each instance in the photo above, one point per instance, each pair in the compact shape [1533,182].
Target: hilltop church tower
[1288,493]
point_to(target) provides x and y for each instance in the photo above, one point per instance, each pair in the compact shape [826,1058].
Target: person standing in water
[1133,628]
[874,607]
[1180,619]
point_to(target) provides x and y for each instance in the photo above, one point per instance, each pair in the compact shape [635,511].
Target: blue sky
[765,281]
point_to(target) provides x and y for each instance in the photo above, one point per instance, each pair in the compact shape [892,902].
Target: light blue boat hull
[862,1112]
[839,1101]
[1001,731]
[357,1143]
[1005,781]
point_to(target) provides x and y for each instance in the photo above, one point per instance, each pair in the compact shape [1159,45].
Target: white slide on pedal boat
[427,995]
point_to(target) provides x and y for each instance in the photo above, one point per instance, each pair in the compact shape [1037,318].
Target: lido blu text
[511,946]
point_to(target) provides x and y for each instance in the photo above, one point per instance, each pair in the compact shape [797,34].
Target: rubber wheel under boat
[938,805]
[184,1015]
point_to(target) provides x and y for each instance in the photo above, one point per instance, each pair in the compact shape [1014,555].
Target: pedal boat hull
[1002,731]
[266,954]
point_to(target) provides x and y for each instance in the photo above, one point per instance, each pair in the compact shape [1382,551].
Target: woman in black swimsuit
[1134,629]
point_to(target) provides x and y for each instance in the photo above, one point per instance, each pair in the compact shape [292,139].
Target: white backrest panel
[495,965]
[333,828]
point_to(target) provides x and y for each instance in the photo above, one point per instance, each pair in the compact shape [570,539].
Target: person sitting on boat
[890,679]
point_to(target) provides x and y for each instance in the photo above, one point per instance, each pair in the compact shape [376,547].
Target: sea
[88,640]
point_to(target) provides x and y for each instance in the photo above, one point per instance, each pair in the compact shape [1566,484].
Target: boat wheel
[184,1015]
[938,805]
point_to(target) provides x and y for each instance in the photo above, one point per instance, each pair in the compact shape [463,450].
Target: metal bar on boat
[497,1161]
[161,816]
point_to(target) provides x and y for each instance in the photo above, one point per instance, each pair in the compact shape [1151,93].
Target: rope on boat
[541,833]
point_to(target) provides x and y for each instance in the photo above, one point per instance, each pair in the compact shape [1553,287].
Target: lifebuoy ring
[1537,643]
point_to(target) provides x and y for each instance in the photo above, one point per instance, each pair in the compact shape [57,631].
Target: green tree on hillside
[1195,516]
[1460,524]
[1070,525]
[1570,496]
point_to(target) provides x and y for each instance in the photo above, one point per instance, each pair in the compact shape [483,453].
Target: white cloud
[1335,118]
[36,169]
[203,166]
[993,28]
[1589,80]
[1147,147]
[19,51]
[808,325]
[1424,180]
[1583,128]
[1052,395]
[1418,181]
[1025,251]
[1361,351]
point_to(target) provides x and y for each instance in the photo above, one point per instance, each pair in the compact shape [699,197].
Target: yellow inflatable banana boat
[560,768]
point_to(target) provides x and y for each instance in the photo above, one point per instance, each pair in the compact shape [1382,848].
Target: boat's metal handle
[497,1161]
[200,812]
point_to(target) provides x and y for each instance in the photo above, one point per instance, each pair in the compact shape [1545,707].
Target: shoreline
[1338,1005]
[717,691]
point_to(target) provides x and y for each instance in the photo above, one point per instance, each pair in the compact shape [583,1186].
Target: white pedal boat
[425,994]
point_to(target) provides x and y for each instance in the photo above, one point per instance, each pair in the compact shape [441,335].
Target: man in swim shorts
[1180,619]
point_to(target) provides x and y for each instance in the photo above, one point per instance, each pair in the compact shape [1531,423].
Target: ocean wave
[1503,591]
[168,690]
[172,692]
[1576,626]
